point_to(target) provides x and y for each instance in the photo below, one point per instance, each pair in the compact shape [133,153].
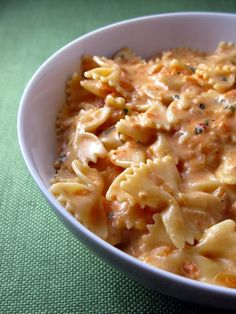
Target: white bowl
[45,93]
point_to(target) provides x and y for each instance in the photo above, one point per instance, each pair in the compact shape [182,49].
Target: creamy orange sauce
[148,157]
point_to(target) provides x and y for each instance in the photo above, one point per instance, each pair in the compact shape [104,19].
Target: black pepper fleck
[126,111]
[202,106]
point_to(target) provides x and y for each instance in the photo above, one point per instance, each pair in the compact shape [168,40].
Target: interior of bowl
[147,36]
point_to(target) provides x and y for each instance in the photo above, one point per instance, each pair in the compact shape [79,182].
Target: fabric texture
[43,268]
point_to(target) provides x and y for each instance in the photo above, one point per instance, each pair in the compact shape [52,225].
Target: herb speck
[230,108]
[201,127]
[176,97]
[198,130]
[111,216]
[62,158]
[191,68]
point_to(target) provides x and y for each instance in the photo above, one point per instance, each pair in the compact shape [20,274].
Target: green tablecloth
[43,268]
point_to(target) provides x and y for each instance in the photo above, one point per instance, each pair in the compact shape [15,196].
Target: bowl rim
[197,285]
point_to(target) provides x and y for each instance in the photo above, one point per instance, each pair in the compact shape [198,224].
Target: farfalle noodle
[147,157]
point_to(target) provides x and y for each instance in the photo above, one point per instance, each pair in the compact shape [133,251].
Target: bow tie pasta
[148,157]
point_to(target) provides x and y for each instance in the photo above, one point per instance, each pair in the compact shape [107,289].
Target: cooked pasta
[147,157]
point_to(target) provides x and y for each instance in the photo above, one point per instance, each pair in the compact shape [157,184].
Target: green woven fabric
[43,268]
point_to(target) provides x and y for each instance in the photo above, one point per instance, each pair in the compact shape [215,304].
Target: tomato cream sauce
[147,157]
